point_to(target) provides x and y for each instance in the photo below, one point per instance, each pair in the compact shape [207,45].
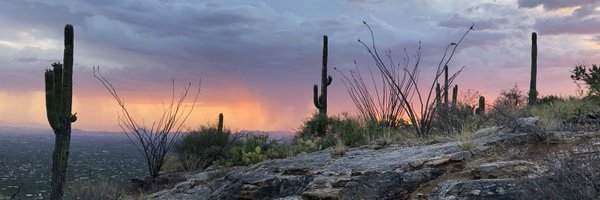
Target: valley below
[25,161]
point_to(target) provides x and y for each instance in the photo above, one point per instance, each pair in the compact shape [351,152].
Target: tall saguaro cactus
[220,124]
[446,86]
[59,92]
[320,101]
[532,83]
[454,96]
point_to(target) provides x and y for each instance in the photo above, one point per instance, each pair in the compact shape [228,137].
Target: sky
[258,59]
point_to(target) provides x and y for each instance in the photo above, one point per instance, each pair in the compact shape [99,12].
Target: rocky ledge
[496,165]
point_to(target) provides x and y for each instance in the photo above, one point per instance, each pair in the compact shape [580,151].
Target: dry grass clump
[339,149]
[172,164]
[102,189]
[552,115]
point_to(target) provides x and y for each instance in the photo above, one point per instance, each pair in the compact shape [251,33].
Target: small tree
[155,143]
[513,98]
[590,76]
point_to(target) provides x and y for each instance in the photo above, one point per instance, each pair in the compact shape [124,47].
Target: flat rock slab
[393,172]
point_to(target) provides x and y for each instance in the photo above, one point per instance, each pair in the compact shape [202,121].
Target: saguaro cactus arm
[316,97]
[67,85]
[51,110]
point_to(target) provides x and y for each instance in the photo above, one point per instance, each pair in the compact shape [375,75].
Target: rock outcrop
[493,166]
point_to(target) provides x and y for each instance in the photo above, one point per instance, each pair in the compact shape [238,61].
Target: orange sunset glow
[258,60]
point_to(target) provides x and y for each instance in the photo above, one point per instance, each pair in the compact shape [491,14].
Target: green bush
[550,99]
[305,145]
[590,76]
[199,149]
[253,149]
[350,130]
[310,126]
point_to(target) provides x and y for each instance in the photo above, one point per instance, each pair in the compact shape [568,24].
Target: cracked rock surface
[438,171]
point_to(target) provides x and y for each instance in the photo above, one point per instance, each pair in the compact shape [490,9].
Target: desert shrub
[555,116]
[349,129]
[88,189]
[199,149]
[508,107]
[512,97]
[588,76]
[302,145]
[254,148]
[577,176]
[453,119]
[339,149]
[172,164]
[308,144]
[550,99]
[310,126]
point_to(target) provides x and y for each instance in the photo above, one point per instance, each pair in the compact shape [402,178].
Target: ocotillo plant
[481,109]
[320,101]
[532,83]
[220,124]
[59,92]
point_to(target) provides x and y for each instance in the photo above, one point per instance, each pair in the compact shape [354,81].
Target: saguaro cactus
[320,101]
[454,96]
[532,83]
[481,109]
[438,95]
[220,124]
[59,92]
[446,85]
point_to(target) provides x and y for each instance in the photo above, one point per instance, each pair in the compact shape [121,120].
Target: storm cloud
[270,51]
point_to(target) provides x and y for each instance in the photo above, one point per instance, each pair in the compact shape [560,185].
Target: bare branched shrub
[401,81]
[156,142]
[512,97]
[382,108]
[508,107]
